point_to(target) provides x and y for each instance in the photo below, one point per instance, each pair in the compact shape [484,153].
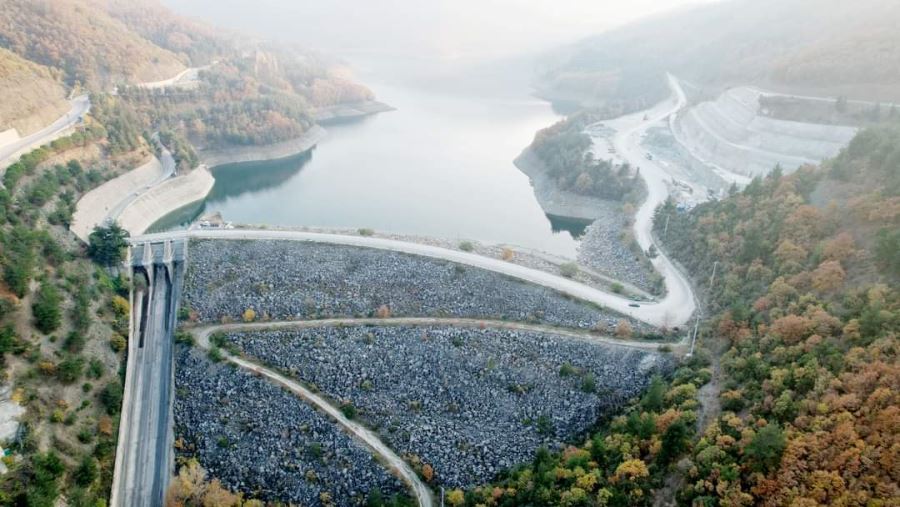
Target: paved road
[394,462]
[668,312]
[143,457]
[80,106]
[168,164]
[679,302]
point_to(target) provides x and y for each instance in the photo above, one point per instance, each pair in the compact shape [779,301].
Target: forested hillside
[806,303]
[249,92]
[801,408]
[565,151]
[86,44]
[840,48]
[31,96]
[63,322]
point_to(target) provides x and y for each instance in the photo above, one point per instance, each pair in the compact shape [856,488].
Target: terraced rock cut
[286,280]
[467,402]
[262,440]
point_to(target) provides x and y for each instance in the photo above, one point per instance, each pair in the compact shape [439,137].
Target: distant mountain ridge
[838,48]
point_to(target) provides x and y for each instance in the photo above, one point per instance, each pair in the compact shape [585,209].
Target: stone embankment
[256,437]
[468,402]
[284,149]
[288,280]
[165,198]
[604,248]
[94,207]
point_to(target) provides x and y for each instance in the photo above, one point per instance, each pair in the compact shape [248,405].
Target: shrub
[383,312]
[46,308]
[184,338]
[588,384]
[466,246]
[118,342]
[215,355]
[617,287]
[366,232]
[567,370]
[70,369]
[249,315]
[568,270]
[74,342]
[121,306]
[348,410]
[86,472]
[111,398]
[623,329]
[107,244]
[95,368]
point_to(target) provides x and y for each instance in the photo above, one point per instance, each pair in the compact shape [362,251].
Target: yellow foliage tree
[456,498]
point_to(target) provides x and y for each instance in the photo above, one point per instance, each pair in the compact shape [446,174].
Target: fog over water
[441,165]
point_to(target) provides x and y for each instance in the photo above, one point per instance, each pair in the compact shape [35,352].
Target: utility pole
[694,338]
[442,496]
[713,277]
[666,230]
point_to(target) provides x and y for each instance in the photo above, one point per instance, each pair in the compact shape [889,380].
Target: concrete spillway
[730,135]
[144,458]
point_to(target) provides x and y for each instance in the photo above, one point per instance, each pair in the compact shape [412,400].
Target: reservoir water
[440,165]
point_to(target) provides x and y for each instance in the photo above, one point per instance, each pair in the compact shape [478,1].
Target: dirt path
[389,457]
[677,348]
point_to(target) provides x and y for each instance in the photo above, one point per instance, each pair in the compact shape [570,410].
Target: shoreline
[276,151]
[556,202]
[164,198]
[94,206]
[339,113]
[183,191]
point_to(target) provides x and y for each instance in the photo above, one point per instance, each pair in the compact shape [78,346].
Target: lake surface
[441,165]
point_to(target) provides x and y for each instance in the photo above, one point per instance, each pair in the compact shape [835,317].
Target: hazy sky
[446,28]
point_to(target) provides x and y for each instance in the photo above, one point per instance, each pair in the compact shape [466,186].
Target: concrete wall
[93,208]
[166,198]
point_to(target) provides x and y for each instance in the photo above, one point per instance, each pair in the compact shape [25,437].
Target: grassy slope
[30,95]
[85,43]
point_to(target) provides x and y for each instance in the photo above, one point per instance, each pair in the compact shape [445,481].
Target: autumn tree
[828,277]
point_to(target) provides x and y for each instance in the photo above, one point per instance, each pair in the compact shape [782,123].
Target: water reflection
[574,226]
[440,165]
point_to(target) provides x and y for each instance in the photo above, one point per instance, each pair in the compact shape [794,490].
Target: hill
[826,47]
[85,43]
[792,397]
[31,96]
[243,91]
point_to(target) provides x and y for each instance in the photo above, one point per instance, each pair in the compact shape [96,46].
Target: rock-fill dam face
[468,401]
[730,134]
